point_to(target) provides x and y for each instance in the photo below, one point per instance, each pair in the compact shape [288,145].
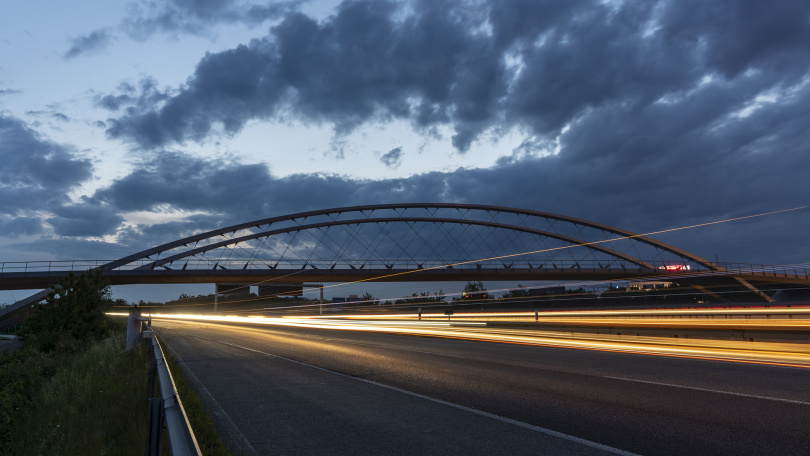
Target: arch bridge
[402,242]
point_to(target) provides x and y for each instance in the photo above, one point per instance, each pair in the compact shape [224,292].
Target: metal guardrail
[181,438]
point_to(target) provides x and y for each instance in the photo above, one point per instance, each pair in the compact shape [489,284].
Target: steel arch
[623,234]
[233,241]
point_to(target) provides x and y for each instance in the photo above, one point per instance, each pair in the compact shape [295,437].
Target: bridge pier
[281,289]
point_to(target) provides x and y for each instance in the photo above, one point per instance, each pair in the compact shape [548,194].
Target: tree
[474,287]
[420,298]
[518,292]
[71,316]
[471,287]
[368,298]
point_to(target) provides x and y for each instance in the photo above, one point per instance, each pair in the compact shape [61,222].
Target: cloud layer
[643,115]
[36,174]
[474,66]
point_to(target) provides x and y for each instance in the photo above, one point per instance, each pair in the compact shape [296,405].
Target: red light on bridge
[675,267]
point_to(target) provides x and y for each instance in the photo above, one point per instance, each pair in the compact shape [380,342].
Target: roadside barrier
[167,409]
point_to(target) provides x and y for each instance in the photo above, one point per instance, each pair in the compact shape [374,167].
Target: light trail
[771,353]
[803,310]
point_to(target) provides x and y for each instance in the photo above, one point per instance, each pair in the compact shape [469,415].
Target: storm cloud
[478,66]
[88,218]
[676,190]
[641,115]
[198,17]
[36,173]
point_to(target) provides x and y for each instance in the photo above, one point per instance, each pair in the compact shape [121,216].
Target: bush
[88,402]
[72,315]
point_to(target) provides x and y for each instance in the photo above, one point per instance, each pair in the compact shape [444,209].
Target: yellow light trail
[772,353]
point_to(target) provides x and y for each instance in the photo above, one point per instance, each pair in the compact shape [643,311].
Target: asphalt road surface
[308,391]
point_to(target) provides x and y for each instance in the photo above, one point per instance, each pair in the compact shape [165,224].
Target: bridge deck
[43,279]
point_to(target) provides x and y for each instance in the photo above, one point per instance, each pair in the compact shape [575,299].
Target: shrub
[71,316]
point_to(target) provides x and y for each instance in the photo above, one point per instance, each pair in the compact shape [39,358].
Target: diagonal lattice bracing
[405,236]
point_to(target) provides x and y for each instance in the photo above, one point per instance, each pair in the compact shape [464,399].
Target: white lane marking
[531,427]
[730,393]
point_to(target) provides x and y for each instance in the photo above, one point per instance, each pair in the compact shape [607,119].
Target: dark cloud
[198,17]
[534,65]
[737,36]
[9,91]
[35,173]
[357,66]
[137,98]
[16,226]
[392,158]
[94,42]
[69,248]
[88,218]
[640,185]
[642,115]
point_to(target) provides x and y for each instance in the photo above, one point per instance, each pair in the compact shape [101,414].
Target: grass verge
[201,422]
[91,401]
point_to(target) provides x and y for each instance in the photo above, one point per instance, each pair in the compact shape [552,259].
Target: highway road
[314,390]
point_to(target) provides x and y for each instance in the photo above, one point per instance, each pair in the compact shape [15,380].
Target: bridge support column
[133,329]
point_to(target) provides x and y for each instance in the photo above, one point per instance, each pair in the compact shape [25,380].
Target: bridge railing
[765,270]
[8,267]
[18,267]
[409,264]
[195,264]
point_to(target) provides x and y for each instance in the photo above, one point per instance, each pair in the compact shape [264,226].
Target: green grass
[88,402]
[92,401]
[201,423]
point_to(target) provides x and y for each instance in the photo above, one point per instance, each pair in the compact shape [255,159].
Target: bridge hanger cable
[651,233]
[570,246]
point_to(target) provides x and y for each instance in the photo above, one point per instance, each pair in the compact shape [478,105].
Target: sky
[125,124]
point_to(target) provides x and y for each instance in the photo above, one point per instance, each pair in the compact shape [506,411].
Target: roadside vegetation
[73,388]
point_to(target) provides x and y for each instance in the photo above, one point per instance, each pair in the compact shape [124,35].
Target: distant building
[546,291]
[234,290]
[641,286]
[281,289]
